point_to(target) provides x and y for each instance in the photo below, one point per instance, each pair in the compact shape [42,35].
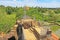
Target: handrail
[55,37]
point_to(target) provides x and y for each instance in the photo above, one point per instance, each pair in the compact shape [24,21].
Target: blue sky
[40,3]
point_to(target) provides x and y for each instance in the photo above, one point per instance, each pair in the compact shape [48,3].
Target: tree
[2,6]
[9,10]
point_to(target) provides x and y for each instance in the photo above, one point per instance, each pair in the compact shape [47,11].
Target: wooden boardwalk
[31,33]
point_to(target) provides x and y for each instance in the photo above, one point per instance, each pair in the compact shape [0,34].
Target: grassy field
[55,27]
[6,21]
[8,16]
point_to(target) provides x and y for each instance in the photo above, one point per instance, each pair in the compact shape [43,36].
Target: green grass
[55,28]
[6,22]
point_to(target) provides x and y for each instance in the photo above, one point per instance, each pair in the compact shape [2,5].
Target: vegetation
[8,16]
[6,21]
[55,27]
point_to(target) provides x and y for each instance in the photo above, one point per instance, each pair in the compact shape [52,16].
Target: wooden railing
[55,37]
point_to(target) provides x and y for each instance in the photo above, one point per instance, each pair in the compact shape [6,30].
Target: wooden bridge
[28,29]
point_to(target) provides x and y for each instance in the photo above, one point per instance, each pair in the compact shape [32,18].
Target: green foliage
[9,12]
[6,22]
[43,14]
[55,27]
[9,9]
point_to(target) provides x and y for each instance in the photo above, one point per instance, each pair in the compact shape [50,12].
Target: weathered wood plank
[31,33]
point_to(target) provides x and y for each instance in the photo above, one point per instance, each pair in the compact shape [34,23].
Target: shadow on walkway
[37,35]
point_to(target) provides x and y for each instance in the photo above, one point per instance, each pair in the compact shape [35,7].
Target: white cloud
[14,0]
[30,3]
